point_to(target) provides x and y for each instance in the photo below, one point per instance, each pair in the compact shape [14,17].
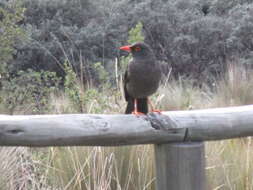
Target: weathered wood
[215,124]
[180,166]
[107,130]
[79,129]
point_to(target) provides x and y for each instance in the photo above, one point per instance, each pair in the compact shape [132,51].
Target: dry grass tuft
[236,88]
[20,170]
[182,94]
[101,168]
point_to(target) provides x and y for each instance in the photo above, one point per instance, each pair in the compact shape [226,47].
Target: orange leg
[135,112]
[152,107]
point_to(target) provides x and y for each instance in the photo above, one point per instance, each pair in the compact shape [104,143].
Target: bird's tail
[142,105]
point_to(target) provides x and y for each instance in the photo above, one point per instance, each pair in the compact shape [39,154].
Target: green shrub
[11,13]
[135,34]
[103,75]
[195,37]
[71,87]
[86,98]
[28,92]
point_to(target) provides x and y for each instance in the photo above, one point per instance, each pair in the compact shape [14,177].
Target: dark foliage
[195,37]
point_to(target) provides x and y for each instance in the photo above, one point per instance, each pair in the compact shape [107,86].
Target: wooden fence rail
[179,161]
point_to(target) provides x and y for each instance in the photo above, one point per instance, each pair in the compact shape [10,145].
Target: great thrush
[141,79]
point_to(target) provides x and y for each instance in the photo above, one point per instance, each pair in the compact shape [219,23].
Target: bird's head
[138,50]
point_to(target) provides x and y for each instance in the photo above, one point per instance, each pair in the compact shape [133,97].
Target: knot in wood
[161,122]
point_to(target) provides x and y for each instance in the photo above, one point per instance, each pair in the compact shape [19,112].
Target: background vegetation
[196,38]
[61,56]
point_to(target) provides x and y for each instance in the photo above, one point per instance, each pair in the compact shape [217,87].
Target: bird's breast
[143,79]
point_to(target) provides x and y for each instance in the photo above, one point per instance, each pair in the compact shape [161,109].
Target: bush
[28,92]
[11,13]
[195,37]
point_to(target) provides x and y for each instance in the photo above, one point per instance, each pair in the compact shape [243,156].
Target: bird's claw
[157,111]
[137,113]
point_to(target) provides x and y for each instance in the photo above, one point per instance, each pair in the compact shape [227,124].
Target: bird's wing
[125,81]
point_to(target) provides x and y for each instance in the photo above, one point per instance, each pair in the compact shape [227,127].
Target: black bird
[141,78]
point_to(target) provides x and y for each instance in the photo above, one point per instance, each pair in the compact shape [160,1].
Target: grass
[102,168]
[229,163]
[235,88]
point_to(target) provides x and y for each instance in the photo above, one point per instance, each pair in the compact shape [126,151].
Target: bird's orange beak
[126,48]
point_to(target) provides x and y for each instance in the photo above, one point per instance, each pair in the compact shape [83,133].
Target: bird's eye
[137,48]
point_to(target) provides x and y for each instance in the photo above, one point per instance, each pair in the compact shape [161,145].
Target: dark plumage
[141,78]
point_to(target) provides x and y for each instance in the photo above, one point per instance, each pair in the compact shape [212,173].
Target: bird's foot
[137,113]
[157,111]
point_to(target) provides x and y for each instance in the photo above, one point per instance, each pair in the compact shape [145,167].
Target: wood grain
[116,130]
[180,166]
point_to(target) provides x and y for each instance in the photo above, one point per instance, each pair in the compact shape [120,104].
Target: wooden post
[180,166]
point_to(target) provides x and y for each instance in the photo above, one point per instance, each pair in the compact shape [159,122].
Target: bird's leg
[152,107]
[135,112]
